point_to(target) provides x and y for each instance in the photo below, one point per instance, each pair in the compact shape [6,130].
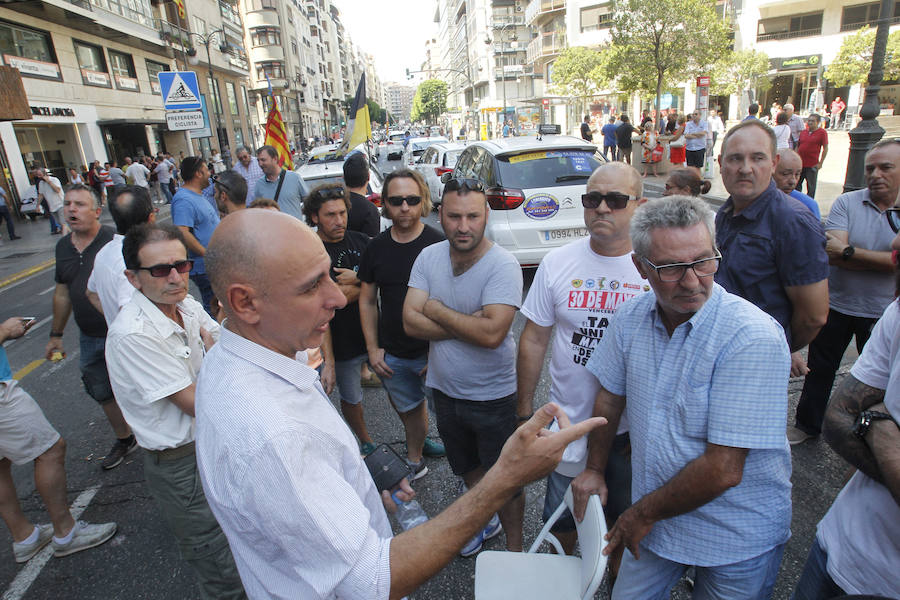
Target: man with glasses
[695,133]
[384,268]
[463,295]
[860,281]
[283,186]
[705,375]
[344,346]
[812,146]
[229,191]
[573,299]
[154,351]
[248,167]
[773,248]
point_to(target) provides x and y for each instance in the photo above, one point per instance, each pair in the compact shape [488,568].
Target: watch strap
[866,418]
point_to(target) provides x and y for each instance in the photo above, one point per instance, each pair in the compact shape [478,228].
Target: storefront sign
[35,68]
[796,63]
[95,78]
[184,120]
[127,83]
[56,111]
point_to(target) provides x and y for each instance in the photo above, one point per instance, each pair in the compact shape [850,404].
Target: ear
[132,278]
[242,302]
[640,266]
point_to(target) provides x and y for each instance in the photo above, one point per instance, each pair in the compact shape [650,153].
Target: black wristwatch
[865,419]
[848,252]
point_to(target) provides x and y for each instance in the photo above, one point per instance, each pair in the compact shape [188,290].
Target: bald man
[787,174]
[282,470]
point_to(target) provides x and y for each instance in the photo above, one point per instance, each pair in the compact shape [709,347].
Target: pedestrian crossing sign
[180,90]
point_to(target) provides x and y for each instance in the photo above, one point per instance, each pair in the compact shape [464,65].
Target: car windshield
[451,158]
[546,168]
[338,177]
[324,158]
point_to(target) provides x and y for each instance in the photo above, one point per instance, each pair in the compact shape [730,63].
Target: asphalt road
[142,562]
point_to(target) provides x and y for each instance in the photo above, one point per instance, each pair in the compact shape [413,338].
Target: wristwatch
[848,252]
[865,419]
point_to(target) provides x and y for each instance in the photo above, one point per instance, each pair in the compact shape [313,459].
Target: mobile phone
[26,321]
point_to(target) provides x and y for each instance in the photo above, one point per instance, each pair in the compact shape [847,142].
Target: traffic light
[408,75]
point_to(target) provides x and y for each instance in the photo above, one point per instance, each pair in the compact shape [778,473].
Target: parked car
[393,145]
[435,161]
[534,189]
[417,147]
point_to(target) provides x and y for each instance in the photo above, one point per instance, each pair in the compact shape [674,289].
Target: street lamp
[206,40]
[513,38]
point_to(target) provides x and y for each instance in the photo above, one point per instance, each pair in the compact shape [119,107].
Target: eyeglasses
[330,193]
[182,266]
[399,200]
[675,271]
[614,200]
[463,184]
[893,217]
[215,179]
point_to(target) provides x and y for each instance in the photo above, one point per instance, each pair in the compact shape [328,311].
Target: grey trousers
[176,487]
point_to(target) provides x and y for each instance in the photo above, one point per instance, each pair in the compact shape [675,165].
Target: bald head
[787,170]
[629,177]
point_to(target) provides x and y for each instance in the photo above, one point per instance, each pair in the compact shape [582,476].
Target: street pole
[206,40]
[868,132]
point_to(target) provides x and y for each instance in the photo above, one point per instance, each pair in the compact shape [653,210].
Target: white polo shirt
[108,279]
[150,357]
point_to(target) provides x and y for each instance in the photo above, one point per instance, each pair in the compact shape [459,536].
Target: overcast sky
[393,31]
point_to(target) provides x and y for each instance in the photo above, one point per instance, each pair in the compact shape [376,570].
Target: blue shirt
[772,244]
[809,202]
[720,378]
[609,134]
[5,370]
[190,209]
[290,198]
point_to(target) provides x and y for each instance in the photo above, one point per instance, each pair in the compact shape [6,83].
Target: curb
[29,271]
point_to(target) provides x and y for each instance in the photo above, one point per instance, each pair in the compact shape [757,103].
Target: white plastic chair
[522,576]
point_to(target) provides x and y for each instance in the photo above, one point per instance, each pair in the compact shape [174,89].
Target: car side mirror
[446,176]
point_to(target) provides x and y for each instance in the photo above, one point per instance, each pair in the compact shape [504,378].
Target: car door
[426,167]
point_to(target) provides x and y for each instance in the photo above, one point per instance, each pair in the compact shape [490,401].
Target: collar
[757,207]
[699,317]
[866,198]
[160,322]
[296,373]
[276,176]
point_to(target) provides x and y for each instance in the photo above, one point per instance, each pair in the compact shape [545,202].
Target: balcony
[545,45]
[508,47]
[787,35]
[504,20]
[172,33]
[230,18]
[538,8]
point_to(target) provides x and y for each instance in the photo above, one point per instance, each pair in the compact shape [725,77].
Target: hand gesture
[376,361]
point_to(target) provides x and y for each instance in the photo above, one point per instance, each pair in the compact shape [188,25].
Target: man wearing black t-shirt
[344,347]
[384,269]
[363,214]
[623,139]
[74,262]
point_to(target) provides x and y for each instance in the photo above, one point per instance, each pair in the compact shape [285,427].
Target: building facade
[399,101]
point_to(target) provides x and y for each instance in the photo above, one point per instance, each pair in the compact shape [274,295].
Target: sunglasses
[614,200]
[182,266]
[331,193]
[215,179]
[463,184]
[893,217]
[399,200]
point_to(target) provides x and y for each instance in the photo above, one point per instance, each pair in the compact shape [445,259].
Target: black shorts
[474,431]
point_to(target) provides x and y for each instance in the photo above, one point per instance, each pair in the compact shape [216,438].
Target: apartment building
[399,101]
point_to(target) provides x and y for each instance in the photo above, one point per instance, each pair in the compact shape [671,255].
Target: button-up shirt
[720,378]
[150,357]
[108,279]
[283,476]
[774,243]
[698,143]
[252,174]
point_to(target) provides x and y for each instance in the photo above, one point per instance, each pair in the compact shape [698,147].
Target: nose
[689,280]
[335,298]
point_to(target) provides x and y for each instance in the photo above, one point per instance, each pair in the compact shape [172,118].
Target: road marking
[33,567]
[14,280]
[48,290]
[21,373]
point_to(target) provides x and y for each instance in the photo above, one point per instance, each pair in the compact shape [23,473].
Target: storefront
[130,138]
[795,81]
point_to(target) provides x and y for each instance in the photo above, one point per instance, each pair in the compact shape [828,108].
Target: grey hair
[669,212]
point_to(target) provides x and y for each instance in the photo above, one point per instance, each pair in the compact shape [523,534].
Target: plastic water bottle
[409,514]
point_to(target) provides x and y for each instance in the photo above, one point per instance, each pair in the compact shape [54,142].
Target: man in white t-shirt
[163,172]
[576,291]
[49,189]
[138,174]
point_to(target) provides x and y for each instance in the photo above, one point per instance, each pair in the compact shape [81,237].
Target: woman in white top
[74,177]
[782,131]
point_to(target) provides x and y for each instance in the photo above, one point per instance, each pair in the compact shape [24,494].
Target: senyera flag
[276,136]
[359,127]
[179,4]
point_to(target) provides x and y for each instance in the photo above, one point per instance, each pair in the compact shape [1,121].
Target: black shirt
[387,264]
[363,216]
[74,270]
[586,132]
[623,135]
[346,332]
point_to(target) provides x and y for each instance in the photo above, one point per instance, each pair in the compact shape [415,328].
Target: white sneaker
[25,552]
[86,536]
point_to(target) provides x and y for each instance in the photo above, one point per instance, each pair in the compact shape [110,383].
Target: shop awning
[144,121]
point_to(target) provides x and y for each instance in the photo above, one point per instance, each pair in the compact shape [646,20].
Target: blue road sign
[180,90]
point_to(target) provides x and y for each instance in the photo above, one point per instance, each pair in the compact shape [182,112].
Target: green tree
[854,59]
[740,71]
[580,72]
[658,43]
[430,101]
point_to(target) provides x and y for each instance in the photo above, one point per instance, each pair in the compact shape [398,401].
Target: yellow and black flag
[359,127]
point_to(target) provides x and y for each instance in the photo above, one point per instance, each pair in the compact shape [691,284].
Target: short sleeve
[92,281]
[505,284]
[183,213]
[839,217]
[157,375]
[801,257]
[366,271]
[373,221]
[607,361]
[538,306]
[873,367]
[418,277]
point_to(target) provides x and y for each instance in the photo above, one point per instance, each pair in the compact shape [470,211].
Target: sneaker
[367,448]
[15,237]
[433,449]
[118,452]
[25,552]
[86,536]
[797,436]
[416,470]
[491,530]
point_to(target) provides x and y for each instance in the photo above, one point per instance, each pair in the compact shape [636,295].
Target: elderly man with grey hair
[248,168]
[705,373]
[795,123]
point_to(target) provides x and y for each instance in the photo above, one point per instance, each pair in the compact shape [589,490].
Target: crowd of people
[674,331]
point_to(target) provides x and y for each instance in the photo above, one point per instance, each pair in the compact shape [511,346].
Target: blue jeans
[652,577]
[94,376]
[206,291]
[346,374]
[815,583]
[405,388]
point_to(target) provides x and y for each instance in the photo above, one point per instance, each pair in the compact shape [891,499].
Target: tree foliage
[740,71]
[376,112]
[659,43]
[580,72]
[430,101]
[854,59]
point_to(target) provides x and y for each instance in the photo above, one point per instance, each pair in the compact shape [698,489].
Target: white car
[332,171]
[393,145]
[437,160]
[534,188]
[417,147]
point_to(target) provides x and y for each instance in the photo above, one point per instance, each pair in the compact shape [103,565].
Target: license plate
[556,235]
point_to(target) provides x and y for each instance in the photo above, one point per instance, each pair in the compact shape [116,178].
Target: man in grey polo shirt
[283,186]
[860,282]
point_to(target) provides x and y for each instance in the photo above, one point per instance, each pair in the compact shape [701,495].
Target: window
[153,68]
[265,36]
[294,49]
[232,97]
[29,51]
[199,25]
[791,26]
[596,17]
[274,69]
[216,93]
[854,17]
[93,65]
[262,5]
[122,67]
[134,10]
[246,101]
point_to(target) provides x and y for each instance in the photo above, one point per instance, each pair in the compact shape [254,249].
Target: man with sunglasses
[462,297]
[344,346]
[573,299]
[705,375]
[384,268]
[860,281]
[229,191]
[154,351]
